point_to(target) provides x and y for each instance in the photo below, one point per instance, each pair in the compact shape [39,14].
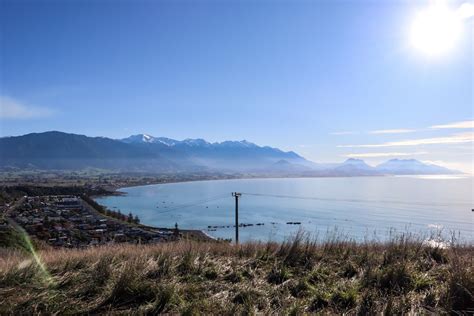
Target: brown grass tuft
[296,277]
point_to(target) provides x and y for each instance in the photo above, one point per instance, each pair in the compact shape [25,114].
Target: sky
[329,80]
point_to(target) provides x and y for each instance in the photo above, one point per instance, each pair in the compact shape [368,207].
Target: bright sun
[436,30]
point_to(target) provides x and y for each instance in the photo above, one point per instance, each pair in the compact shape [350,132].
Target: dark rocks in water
[293,223]
[217,226]
[233,226]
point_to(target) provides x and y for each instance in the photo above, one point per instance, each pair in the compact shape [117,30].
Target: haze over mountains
[145,153]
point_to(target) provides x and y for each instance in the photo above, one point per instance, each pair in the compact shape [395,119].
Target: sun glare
[436,30]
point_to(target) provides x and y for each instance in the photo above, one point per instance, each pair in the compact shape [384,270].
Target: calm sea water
[357,207]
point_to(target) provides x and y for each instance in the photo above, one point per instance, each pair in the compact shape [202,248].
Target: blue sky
[316,77]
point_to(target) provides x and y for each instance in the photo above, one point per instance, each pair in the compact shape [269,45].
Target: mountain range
[145,153]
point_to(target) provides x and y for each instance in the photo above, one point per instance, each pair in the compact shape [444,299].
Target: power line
[342,200]
[283,196]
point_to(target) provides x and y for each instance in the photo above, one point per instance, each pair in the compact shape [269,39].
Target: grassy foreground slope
[296,277]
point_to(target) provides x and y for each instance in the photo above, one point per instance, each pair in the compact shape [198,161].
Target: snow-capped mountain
[197,142]
[227,155]
[191,142]
[411,166]
[236,144]
[355,163]
[139,138]
[146,153]
[355,167]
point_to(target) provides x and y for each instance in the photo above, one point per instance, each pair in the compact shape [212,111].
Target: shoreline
[116,189]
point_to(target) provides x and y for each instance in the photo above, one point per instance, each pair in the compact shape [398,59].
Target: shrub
[301,289]
[421,283]
[436,254]
[366,305]
[458,294]
[319,301]
[101,271]
[394,278]
[300,251]
[349,270]
[278,275]
[319,275]
[160,268]
[249,299]
[165,296]
[187,263]
[234,277]
[128,289]
[211,273]
[344,298]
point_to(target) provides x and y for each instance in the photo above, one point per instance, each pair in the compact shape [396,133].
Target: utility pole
[236,195]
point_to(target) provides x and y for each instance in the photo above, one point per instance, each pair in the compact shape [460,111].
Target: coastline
[116,189]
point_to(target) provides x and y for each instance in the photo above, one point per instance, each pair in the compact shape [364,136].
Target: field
[297,277]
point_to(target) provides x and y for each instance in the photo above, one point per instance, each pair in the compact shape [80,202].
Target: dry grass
[296,277]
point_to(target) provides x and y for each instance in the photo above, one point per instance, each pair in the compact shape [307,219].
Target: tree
[136,220]
[176,230]
[130,217]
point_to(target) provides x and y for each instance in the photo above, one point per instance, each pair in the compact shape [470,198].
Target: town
[69,221]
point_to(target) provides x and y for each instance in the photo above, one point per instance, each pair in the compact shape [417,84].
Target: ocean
[358,208]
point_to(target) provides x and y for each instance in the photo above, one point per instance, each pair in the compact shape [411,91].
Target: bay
[358,208]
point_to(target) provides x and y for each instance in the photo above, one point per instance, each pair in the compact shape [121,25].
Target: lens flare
[44,273]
